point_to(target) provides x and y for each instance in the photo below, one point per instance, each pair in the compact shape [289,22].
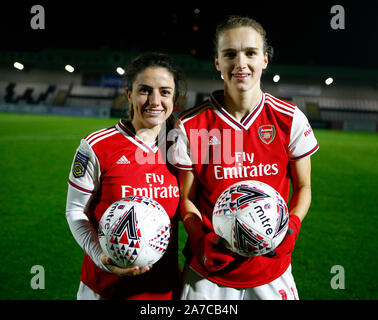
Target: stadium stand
[85,96]
[95,90]
[336,113]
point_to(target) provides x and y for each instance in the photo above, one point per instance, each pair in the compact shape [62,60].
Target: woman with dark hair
[120,161]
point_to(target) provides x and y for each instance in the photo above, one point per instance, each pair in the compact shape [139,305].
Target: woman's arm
[301,182]
[81,228]
[299,204]
[207,247]
[87,237]
[190,215]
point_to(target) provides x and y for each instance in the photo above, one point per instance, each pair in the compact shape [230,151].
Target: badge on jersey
[80,165]
[267,133]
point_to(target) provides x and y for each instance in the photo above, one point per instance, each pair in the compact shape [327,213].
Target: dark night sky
[299,32]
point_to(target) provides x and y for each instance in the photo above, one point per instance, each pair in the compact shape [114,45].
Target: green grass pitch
[36,154]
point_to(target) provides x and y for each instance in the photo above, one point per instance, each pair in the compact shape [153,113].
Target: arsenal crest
[267,133]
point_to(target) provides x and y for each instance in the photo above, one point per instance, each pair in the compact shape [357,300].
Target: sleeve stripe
[96,139]
[282,110]
[183,166]
[99,132]
[78,187]
[307,153]
[190,113]
[285,104]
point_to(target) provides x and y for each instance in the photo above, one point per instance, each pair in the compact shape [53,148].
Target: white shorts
[195,287]
[86,293]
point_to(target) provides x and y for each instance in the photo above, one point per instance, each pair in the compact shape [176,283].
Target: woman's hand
[127,271]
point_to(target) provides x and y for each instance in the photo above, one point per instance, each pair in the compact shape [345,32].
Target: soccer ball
[134,231]
[252,217]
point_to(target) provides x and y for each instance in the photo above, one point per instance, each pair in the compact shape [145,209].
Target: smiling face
[152,97]
[241,59]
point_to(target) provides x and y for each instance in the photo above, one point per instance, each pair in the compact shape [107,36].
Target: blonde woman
[277,142]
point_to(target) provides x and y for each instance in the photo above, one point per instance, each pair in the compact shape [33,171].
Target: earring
[222,76]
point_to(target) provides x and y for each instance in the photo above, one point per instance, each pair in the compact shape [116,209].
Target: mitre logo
[267,133]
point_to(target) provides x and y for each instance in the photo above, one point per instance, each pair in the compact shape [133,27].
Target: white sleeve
[83,181]
[181,152]
[302,139]
[81,228]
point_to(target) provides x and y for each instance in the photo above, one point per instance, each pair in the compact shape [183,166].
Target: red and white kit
[110,164]
[222,151]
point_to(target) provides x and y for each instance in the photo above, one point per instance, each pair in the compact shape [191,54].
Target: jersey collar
[128,131]
[229,119]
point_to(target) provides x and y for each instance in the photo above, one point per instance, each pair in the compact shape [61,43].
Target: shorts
[86,293]
[195,287]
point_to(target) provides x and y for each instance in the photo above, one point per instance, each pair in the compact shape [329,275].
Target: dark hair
[232,22]
[157,59]
[154,59]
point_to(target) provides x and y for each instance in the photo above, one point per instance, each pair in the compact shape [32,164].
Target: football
[134,231]
[252,217]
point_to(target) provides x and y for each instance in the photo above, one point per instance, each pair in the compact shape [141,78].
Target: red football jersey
[113,163]
[222,151]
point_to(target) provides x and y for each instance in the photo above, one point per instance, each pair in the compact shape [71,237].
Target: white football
[134,231]
[252,217]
